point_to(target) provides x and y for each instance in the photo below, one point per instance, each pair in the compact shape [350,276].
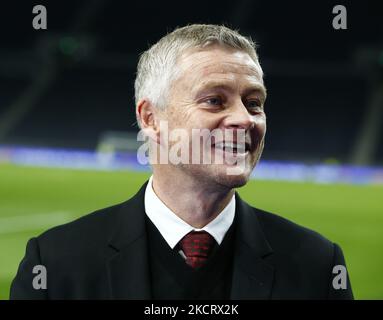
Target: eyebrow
[211,85]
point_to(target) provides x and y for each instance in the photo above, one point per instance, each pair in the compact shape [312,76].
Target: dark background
[64,86]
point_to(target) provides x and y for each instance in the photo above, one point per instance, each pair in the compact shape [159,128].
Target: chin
[216,176]
[233,181]
[241,178]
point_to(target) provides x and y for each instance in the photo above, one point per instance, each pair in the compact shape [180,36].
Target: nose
[239,117]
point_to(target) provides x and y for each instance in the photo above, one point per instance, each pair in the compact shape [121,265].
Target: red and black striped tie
[197,246]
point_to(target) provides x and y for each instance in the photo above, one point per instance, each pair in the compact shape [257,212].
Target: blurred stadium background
[67,123]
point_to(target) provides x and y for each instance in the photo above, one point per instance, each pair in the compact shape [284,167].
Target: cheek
[259,131]
[201,120]
[179,118]
[260,125]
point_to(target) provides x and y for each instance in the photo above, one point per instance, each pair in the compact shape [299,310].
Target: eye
[215,101]
[254,105]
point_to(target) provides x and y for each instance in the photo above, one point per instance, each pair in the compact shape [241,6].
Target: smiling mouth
[232,147]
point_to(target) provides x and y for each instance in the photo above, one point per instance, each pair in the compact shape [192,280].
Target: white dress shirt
[173,228]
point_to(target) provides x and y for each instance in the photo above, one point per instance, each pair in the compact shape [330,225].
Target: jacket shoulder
[82,234]
[303,259]
[287,236]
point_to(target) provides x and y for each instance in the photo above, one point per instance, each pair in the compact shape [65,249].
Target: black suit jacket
[104,255]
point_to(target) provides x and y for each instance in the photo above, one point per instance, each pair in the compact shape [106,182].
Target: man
[187,234]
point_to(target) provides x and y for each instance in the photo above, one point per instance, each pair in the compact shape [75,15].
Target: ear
[148,117]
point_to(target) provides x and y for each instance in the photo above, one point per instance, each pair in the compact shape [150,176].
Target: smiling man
[187,234]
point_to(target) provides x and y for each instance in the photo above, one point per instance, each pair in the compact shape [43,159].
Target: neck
[192,200]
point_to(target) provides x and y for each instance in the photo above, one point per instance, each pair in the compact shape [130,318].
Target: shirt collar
[173,228]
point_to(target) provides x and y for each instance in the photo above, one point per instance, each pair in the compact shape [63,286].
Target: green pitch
[35,199]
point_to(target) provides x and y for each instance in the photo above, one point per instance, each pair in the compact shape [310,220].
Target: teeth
[230,146]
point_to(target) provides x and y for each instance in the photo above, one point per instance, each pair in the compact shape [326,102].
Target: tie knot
[197,246]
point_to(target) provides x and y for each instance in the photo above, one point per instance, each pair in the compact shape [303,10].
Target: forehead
[218,63]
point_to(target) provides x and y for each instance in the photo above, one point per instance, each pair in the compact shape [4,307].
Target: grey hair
[155,70]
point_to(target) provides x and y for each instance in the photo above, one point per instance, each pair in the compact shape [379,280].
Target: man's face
[219,89]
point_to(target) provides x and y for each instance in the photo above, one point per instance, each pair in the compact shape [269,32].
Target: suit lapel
[128,268]
[252,276]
